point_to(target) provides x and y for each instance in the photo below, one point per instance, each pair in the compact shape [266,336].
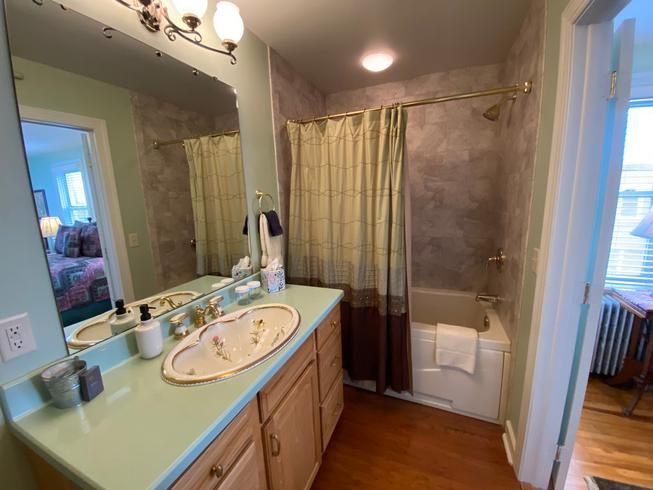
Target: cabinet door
[292,436]
[246,473]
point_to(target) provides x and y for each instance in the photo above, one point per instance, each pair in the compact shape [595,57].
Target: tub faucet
[490,298]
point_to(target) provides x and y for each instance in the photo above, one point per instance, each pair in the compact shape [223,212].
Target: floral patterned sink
[231,344]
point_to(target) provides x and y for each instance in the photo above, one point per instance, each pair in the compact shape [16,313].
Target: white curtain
[219,205]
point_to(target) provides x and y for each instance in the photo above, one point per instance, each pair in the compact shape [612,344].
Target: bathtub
[481,395]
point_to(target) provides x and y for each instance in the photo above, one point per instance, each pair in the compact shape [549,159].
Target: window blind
[631,258]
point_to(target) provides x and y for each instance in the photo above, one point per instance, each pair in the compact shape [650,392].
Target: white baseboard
[509,442]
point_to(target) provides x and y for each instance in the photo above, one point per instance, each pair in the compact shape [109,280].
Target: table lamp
[49,226]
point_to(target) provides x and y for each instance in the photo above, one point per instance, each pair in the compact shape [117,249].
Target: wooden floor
[385,443]
[610,445]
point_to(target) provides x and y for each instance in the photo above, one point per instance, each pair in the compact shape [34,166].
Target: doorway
[591,247]
[58,160]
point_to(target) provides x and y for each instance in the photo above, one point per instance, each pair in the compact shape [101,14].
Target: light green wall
[21,257]
[58,90]
[542,157]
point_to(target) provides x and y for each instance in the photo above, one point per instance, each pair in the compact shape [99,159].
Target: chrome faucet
[490,298]
[212,308]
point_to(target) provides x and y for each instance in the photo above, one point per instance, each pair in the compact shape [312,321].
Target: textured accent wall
[293,97]
[166,182]
[453,169]
[519,125]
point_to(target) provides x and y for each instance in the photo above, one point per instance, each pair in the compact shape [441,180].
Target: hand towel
[271,246]
[456,347]
[273,223]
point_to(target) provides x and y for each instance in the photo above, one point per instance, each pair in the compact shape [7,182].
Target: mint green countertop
[142,432]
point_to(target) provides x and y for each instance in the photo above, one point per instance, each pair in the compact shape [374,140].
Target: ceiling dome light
[195,8]
[377,61]
[228,23]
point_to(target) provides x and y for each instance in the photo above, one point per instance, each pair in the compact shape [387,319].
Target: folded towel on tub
[456,347]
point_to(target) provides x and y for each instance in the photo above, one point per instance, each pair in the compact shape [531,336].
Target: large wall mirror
[135,165]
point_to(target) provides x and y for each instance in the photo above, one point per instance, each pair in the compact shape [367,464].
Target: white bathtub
[481,395]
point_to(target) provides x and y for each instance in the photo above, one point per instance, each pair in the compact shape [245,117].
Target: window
[631,257]
[73,196]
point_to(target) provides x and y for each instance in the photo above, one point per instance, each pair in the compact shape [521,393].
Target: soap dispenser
[149,337]
[124,318]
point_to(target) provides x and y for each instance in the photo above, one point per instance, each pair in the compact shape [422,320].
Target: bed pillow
[72,241]
[91,246]
[58,241]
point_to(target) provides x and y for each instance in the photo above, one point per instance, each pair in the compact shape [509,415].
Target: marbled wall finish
[518,137]
[166,182]
[453,169]
[293,97]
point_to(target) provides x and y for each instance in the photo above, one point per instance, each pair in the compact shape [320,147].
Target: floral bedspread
[77,281]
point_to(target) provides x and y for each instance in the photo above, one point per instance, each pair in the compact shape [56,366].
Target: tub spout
[490,298]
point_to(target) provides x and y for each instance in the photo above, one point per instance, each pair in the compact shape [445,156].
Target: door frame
[103,183]
[573,186]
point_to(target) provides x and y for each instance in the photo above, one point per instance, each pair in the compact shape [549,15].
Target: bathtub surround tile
[293,97]
[518,137]
[166,181]
[452,158]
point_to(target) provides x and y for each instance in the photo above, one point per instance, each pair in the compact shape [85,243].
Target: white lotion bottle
[123,320]
[149,337]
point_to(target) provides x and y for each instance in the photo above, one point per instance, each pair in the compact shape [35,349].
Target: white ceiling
[325,39]
[75,43]
[41,139]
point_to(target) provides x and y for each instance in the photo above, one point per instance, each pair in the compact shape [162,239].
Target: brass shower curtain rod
[156,144]
[523,87]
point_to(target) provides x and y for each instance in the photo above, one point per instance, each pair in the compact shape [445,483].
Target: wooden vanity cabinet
[233,461]
[276,442]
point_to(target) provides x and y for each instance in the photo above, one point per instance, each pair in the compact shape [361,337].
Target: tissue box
[239,274]
[273,281]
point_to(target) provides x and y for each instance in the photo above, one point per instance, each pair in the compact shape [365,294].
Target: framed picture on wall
[41,203]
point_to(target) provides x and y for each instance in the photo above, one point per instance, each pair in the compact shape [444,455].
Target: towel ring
[260,195]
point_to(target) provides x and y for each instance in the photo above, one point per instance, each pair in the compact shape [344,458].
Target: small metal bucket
[62,381]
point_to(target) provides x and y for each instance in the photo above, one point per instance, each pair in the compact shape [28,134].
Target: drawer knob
[334,323]
[217,470]
[334,363]
[275,445]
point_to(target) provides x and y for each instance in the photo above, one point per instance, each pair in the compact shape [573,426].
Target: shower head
[493,113]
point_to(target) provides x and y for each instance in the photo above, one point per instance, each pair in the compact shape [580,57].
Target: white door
[610,175]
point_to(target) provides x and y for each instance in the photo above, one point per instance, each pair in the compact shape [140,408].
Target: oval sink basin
[158,308]
[90,333]
[231,344]
[99,328]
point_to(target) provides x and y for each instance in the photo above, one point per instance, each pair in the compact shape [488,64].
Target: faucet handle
[177,322]
[216,300]
[178,319]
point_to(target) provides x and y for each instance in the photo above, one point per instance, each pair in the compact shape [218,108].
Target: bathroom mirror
[135,165]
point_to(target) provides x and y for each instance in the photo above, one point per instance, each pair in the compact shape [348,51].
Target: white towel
[456,347]
[271,246]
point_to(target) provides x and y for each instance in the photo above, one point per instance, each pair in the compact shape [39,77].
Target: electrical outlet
[16,337]
[133,240]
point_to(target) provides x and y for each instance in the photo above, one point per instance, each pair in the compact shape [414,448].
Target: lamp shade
[49,226]
[228,23]
[645,227]
[196,8]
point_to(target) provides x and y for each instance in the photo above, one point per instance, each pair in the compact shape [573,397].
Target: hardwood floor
[610,445]
[385,443]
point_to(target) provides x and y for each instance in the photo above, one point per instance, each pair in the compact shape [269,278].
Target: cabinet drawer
[329,360]
[217,460]
[275,390]
[330,411]
[328,326]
